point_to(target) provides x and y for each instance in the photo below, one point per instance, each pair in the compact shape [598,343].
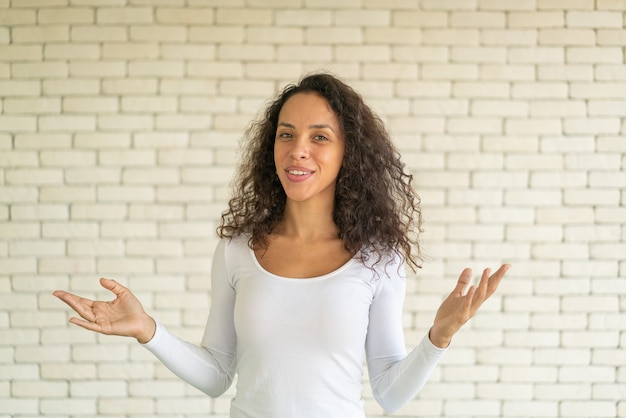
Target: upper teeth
[298,172]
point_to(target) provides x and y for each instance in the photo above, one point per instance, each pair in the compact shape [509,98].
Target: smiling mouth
[298,172]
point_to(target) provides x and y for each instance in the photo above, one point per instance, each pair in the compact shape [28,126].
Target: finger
[112,286]
[81,306]
[496,277]
[464,279]
[89,325]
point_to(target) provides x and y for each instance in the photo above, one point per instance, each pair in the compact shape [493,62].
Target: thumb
[112,286]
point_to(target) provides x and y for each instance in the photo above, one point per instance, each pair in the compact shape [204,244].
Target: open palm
[463,303]
[123,316]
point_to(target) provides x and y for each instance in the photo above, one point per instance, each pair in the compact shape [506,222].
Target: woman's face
[309,148]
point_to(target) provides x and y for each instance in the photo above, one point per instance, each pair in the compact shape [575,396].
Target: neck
[308,222]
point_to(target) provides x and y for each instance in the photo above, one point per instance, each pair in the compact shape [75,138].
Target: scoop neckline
[299,279]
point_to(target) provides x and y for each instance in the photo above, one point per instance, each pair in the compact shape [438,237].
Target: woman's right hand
[123,316]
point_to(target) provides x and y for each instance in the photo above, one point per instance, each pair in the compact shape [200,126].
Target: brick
[419,54]
[100,247]
[130,51]
[380,35]
[533,126]
[125,194]
[565,4]
[124,15]
[38,248]
[18,159]
[439,107]
[536,55]
[594,55]
[592,126]
[481,89]
[17,123]
[534,233]
[594,19]
[34,176]
[450,37]
[97,140]
[231,52]
[14,194]
[30,106]
[112,266]
[363,18]
[40,34]
[21,53]
[66,194]
[611,4]
[65,15]
[130,86]
[30,212]
[72,51]
[505,215]
[41,389]
[186,15]
[103,69]
[597,161]
[151,176]
[533,197]
[218,34]
[492,72]
[188,52]
[17,265]
[103,389]
[532,408]
[578,72]
[449,72]
[553,180]
[540,90]
[40,70]
[90,105]
[539,19]
[596,408]
[558,108]
[92,176]
[13,17]
[156,68]
[499,179]
[614,37]
[499,108]
[71,87]
[606,107]
[477,19]
[20,406]
[160,33]
[128,229]
[125,122]
[577,37]
[478,54]
[244,16]
[509,37]
[67,158]
[69,230]
[19,88]
[167,248]
[98,33]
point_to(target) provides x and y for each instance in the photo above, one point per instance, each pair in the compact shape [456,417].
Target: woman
[309,271]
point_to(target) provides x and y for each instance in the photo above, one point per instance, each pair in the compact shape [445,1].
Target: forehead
[306,106]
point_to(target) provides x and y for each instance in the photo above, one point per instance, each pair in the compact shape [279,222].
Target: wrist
[437,339]
[147,330]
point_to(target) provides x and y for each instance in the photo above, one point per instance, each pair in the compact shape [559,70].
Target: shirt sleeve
[210,366]
[395,376]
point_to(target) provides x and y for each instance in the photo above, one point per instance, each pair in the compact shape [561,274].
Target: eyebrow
[314,126]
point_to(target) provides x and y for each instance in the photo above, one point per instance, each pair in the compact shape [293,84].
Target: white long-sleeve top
[297,345]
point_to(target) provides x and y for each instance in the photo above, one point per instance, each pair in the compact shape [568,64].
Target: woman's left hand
[460,306]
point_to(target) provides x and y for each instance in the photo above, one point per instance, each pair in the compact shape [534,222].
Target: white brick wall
[119,128]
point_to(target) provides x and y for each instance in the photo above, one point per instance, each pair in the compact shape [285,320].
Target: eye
[320,138]
[284,135]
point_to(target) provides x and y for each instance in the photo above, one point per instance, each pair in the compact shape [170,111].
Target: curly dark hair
[376,209]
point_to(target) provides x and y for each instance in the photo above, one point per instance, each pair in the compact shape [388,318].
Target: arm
[395,377]
[209,367]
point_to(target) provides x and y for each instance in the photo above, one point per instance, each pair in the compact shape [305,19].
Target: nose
[300,149]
